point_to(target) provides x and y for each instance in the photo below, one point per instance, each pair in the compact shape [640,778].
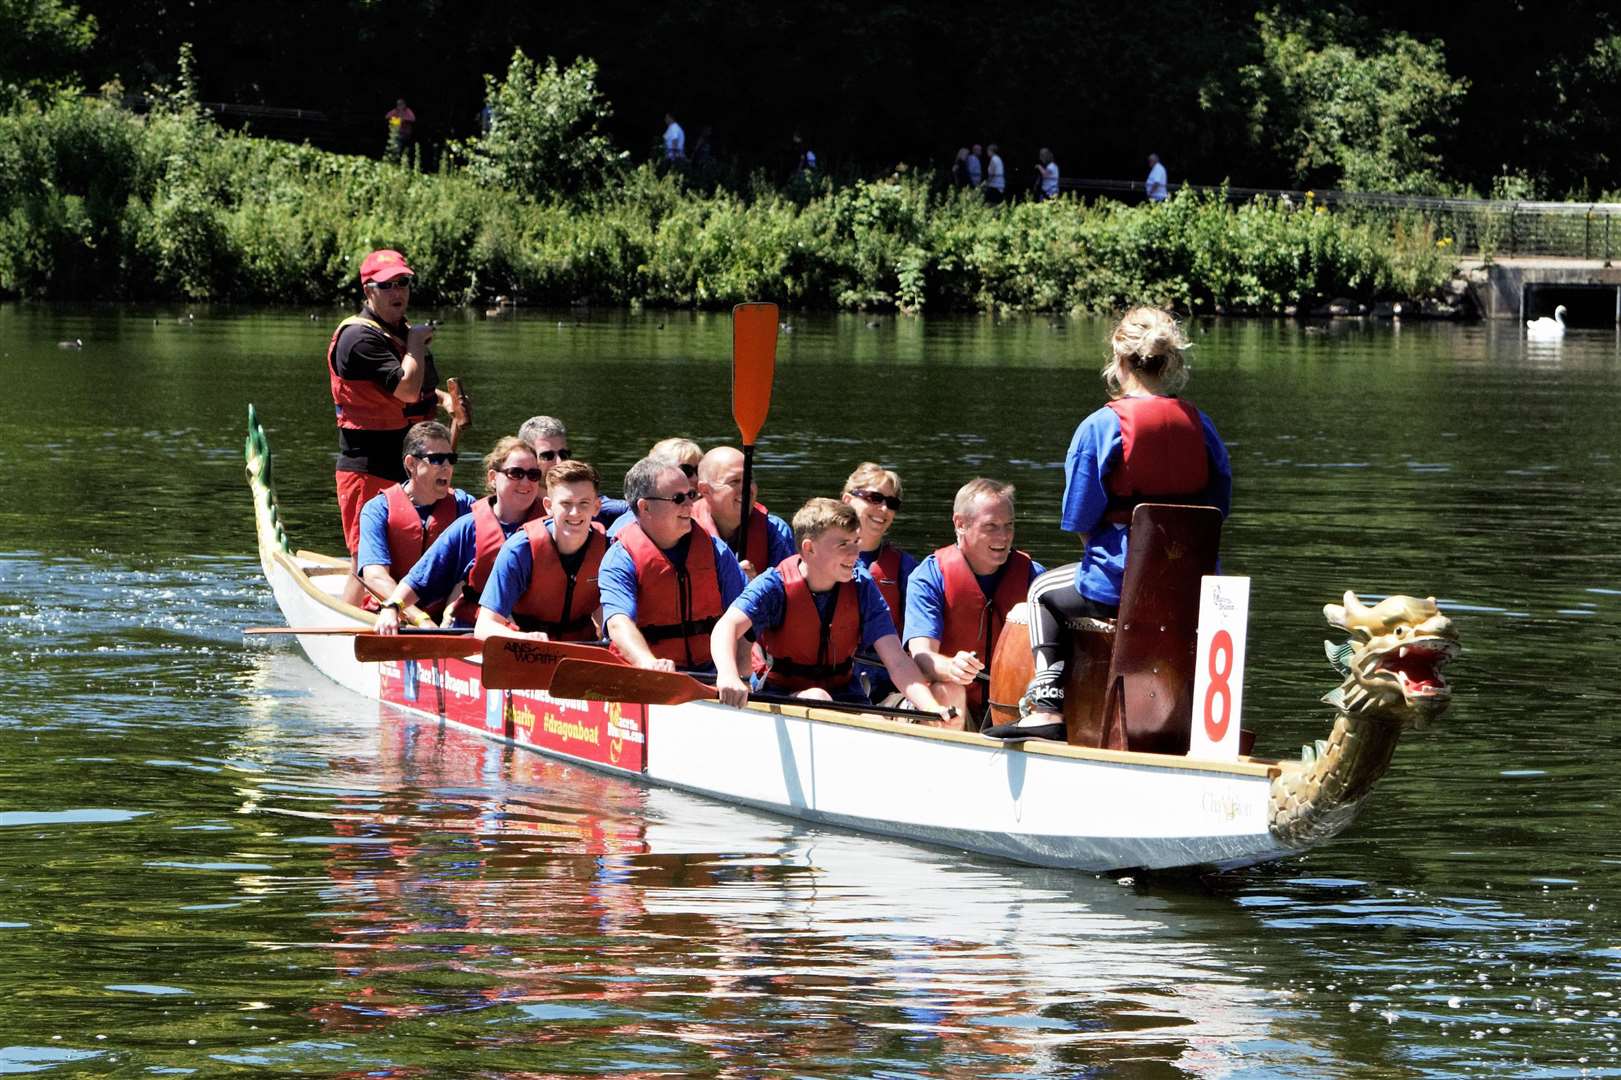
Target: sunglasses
[891,501]
[391,284]
[516,474]
[437,459]
[678,498]
[554,455]
[689,471]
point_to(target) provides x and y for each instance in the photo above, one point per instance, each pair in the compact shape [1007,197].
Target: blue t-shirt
[374,526]
[926,598]
[616,578]
[765,602]
[1093,452]
[612,511]
[449,559]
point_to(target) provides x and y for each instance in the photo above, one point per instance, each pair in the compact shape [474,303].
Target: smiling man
[811,612]
[959,597]
[402,522]
[667,581]
[383,380]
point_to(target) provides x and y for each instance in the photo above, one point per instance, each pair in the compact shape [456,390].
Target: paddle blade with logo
[525,664]
[754,366]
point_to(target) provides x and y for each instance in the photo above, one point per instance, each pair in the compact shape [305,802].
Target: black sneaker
[1019,732]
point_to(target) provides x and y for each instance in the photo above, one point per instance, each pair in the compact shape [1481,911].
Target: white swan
[1546,327]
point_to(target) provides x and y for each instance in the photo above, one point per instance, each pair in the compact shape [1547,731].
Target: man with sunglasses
[550,439]
[399,525]
[666,582]
[768,539]
[959,597]
[383,380]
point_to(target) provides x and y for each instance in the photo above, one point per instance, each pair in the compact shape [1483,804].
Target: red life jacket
[886,574]
[488,536]
[1162,455]
[810,649]
[757,546]
[676,608]
[973,621]
[556,601]
[408,537]
[364,404]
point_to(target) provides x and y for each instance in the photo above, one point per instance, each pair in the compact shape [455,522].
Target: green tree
[1338,115]
[545,129]
[41,47]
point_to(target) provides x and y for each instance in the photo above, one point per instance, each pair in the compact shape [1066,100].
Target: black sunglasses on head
[393,283]
[678,498]
[437,459]
[891,501]
[515,474]
[554,455]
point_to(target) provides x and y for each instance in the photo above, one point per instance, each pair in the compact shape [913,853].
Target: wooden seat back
[1149,693]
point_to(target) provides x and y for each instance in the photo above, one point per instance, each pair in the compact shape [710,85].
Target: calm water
[213,861]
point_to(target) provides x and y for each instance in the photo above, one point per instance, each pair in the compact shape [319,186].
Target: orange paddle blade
[754,366]
[372,648]
[522,664]
[609,682]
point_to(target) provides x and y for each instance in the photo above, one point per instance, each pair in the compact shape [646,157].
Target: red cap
[385,265]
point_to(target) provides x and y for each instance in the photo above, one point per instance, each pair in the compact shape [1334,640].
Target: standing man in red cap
[383,381]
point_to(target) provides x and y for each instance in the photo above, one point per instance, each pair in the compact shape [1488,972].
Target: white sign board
[1218,676]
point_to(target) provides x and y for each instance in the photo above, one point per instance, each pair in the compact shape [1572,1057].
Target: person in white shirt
[995,177]
[675,140]
[1155,185]
[1047,175]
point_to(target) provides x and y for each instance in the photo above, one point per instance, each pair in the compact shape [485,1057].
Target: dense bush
[98,202]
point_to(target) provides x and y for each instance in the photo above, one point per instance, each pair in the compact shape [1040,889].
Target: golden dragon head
[1393,662]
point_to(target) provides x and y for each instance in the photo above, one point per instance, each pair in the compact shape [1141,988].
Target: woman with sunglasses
[465,552]
[1145,445]
[383,380]
[874,492]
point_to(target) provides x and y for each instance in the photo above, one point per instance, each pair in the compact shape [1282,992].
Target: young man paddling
[383,380]
[667,582]
[545,580]
[399,525]
[767,540]
[959,597]
[811,612]
[464,554]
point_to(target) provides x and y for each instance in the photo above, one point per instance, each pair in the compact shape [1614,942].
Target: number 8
[1220,645]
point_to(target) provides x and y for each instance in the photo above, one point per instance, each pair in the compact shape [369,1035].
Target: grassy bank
[99,203]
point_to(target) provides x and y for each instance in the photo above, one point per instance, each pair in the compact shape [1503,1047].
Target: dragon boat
[1118,796]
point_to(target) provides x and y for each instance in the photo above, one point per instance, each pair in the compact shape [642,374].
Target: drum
[1012,667]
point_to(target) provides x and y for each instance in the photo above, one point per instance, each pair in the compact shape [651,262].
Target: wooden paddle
[754,367]
[373,648]
[591,681]
[524,664]
[355,631]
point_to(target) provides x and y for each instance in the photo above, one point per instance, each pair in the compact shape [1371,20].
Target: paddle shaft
[353,630]
[740,542]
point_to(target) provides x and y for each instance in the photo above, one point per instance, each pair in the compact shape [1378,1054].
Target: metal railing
[1487,227]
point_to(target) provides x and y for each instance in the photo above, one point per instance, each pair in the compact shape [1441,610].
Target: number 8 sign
[1218,677]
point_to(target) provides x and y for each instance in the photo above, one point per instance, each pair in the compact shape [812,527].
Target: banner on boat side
[603,732]
[1218,674]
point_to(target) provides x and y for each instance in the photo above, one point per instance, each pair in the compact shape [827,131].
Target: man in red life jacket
[958,598]
[811,612]
[666,582]
[400,524]
[545,580]
[383,380]
[720,511]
